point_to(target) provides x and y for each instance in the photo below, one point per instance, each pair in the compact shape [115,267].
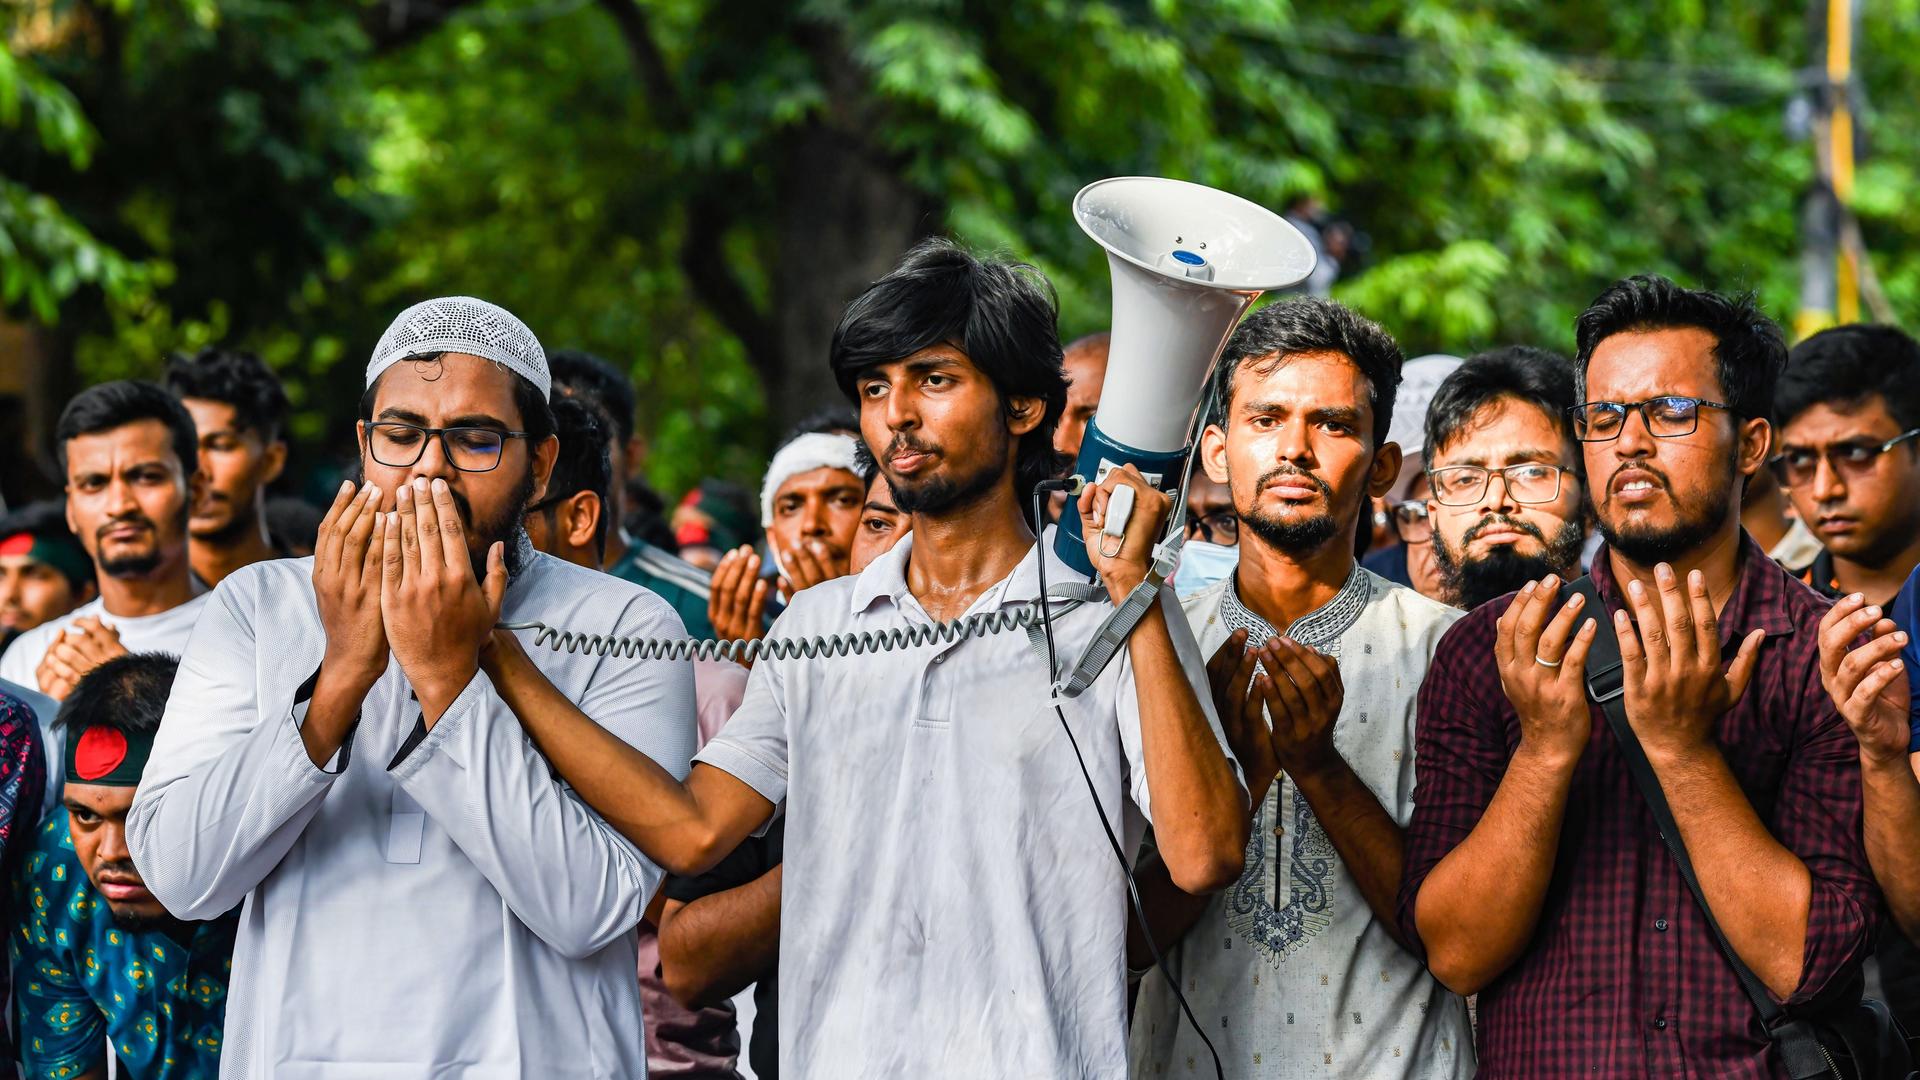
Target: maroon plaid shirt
[1622,977]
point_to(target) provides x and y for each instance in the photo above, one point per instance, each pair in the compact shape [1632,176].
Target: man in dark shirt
[1535,875]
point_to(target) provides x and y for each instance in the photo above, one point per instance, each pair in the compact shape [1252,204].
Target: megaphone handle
[1114,525]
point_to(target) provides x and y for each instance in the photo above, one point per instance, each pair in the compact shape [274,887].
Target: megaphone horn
[1187,261]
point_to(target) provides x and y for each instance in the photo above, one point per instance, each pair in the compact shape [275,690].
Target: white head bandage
[804,454]
[461,324]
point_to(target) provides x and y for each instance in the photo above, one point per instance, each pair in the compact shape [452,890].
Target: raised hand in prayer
[1543,667]
[808,565]
[1307,685]
[1868,683]
[1242,685]
[738,600]
[1675,686]
[346,586]
[437,615]
[85,645]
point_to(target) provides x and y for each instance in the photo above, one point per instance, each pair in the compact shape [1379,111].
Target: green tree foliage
[694,189]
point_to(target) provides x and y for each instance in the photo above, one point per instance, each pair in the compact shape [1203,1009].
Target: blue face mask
[1203,564]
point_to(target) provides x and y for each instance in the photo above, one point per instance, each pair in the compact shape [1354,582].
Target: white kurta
[457,914]
[1288,969]
[950,907]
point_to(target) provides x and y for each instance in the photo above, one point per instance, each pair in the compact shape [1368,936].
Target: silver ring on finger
[1544,662]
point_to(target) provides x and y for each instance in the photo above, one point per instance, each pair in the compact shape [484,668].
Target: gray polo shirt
[950,907]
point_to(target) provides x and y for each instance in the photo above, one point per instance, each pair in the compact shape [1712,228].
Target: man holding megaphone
[948,906]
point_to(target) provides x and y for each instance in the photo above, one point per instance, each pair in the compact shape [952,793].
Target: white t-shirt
[950,907]
[1288,969]
[165,633]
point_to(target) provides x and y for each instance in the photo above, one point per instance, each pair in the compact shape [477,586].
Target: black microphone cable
[1113,841]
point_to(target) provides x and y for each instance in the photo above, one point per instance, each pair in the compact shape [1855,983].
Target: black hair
[127,693]
[1850,365]
[1309,324]
[583,373]
[536,415]
[647,519]
[583,463]
[293,522]
[1003,315]
[46,520]
[128,401]
[1533,376]
[1748,349]
[235,378]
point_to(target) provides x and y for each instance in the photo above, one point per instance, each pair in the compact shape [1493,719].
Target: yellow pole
[1840,136]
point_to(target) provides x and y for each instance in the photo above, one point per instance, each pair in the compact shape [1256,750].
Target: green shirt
[674,580]
[81,981]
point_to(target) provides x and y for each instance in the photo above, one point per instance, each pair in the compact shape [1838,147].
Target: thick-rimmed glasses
[1466,485]
[1797,465]
[1220,527]
[1410,522]
[469,449]
[1667,417]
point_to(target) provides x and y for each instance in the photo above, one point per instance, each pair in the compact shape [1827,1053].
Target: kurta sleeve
[562,870]
[229,787]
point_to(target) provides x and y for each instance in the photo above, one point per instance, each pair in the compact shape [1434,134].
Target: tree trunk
[845,220]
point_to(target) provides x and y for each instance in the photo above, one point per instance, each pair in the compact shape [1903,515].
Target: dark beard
[131,566]
[1295,537]
[504,527]
[943,496]
[1473,582]
[1696,522]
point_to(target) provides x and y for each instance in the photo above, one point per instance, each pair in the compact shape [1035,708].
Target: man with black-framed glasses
[1536,875]
[1848,454]
[344,751]
[1507,503]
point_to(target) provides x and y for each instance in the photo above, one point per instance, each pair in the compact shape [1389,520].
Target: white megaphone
[1187,261]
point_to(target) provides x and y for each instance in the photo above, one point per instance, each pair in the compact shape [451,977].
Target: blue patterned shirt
[81,981]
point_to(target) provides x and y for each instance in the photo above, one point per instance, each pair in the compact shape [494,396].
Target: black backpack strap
[1798,1046]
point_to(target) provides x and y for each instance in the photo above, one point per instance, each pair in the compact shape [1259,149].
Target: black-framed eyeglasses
[469,449]
[1410,521]
[1796,466]
[1220,527]
[1667,417]
[1466,485]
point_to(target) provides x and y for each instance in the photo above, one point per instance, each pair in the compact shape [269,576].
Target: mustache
[1267,478]
[1637,466]
[904,442]
[119,872]
[1492,520]
[133,518]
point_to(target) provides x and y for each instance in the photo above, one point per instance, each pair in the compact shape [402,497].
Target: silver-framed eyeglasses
[1466,485]
[1797,465]
[1666,417]
[469,449]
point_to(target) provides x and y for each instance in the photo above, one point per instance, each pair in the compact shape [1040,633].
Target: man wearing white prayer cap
[423,898]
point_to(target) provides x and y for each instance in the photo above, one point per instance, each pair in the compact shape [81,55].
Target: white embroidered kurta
[459,913]
[1289,970]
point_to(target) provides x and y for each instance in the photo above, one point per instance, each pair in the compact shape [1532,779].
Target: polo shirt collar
[886,576]
[1759,599]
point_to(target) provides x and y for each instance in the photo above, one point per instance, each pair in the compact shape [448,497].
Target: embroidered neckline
[1318,628]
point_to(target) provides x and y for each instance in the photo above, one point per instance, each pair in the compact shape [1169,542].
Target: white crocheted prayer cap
[462,324]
